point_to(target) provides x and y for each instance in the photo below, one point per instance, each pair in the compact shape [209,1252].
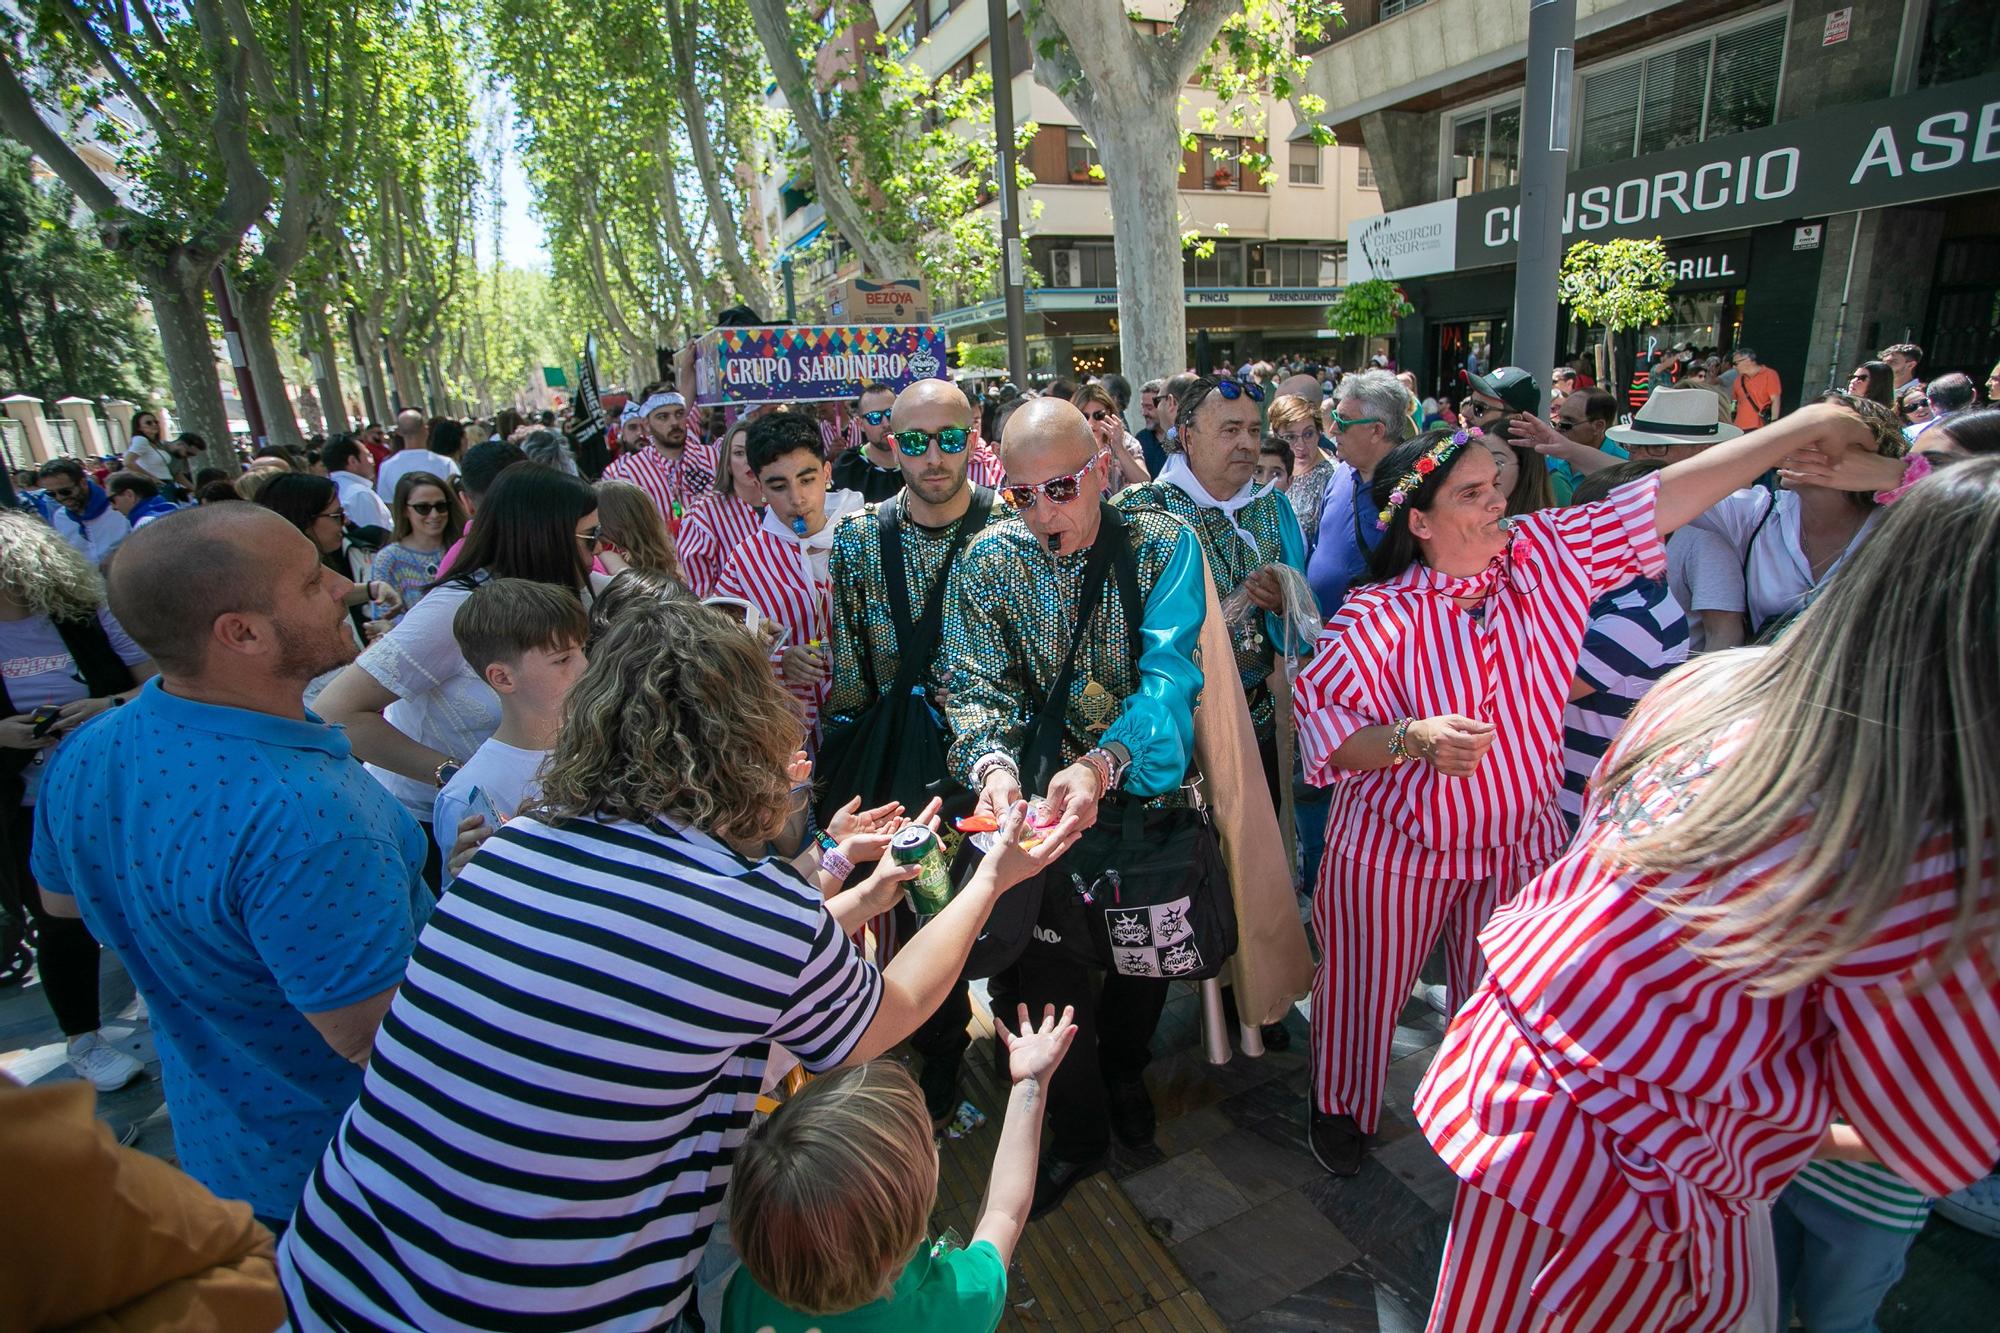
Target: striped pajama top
[673,484]
[714,527]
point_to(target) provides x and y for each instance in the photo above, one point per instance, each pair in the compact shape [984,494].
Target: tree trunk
[319,337]
[408,390]
[1145,208]
[260,353]
[368,365]
[189,352]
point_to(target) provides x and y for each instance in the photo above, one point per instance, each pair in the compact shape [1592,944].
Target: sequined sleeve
[988,702]
[848,571]
[1157,723]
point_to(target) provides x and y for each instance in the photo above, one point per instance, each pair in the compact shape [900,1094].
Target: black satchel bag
[895,749]
[1143,893]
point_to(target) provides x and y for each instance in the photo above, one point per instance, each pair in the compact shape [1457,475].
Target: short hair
[273,451]
[1291,410]
[1120,387]
[831,1195]
[1061,387]
[1598,485]
[203,476]
[484,462]
[1563,373]
[1383,395]
[1974,432]
[872,386]
[209,492]
[447,436]
[1952,393]
[1741,350]
[174,576]
[400,525]
[776,434]
[340,451]
[137,483]
[506,619]
[1911,351]
[1599,404]
[1153,386]
[1274,445]
[62,467]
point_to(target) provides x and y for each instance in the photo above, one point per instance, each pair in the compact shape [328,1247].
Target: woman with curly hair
[63,660]
[545,1128]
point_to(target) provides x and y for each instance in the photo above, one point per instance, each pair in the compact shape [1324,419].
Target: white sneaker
[1976,1207]
[1437,997]
[107,1067]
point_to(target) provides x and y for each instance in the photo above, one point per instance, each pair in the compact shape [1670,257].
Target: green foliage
[982,356]
[1369,309]
[69,311]
[513,320]
[1259,52]
[1618,284]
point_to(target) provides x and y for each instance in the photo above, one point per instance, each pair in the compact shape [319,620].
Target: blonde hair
[1291,410]
[630,520]
[678,714]
[43,574]
[256,479]
[829,1197]
[1876,731]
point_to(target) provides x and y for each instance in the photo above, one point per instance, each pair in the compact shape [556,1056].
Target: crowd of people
[528,827]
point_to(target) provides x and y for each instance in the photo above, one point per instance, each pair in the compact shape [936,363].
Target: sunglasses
[917,443]
[875,418]
[1098,415]
[592,539]
[429,507]
[1234,389]
[1349,423]
[1060,490]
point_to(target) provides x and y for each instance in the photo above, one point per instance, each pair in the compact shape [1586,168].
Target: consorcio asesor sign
[802,363]
[1925,145]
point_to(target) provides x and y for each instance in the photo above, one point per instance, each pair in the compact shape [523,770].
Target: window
[1961,40]
[1485,149]
[1391,8]
[1219,165]
[1305,163]
[1302,265]
[1081,264]
[1082,157]
[1364,170]
[1698,91]
[1222,269]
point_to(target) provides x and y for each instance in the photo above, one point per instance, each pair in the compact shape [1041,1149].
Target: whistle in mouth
[1055,542]
[799,524]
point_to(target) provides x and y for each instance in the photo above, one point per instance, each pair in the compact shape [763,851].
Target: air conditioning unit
[1065,268]
[1260,277]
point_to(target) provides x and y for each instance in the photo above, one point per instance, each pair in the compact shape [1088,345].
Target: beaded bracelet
[1398,751]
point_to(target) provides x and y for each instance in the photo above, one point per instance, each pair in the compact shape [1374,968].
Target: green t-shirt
[940,1290]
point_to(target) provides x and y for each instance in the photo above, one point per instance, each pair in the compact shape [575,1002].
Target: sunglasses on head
[917,443]
[429,507]
[1060,490]
[1234,389]
[876,418]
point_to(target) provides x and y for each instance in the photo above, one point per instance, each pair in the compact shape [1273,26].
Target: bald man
[1121,734]
[261,890]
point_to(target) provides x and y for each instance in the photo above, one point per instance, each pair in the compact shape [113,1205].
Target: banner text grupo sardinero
[814,363]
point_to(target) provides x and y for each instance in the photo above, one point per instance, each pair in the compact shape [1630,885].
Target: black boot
[1336,1142]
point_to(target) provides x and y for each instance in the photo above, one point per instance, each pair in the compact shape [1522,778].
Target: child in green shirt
[830,1203]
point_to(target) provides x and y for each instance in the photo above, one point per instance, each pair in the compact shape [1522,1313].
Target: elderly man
[1370,417]
[268,933]
[85,515]
[1121,734]
[873,471]
[671,468]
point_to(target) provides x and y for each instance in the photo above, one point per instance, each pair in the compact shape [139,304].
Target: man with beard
[881,622]
[672,469]
[872,471]
[261,890]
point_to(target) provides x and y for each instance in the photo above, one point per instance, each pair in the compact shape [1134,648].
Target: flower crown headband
[1423,467]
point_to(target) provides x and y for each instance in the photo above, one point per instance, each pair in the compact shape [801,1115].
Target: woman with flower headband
[1434,708]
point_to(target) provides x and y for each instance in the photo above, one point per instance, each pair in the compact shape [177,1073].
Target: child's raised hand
[1036,1052]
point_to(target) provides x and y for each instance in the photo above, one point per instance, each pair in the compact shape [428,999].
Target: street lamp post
[1013,264]
[1545,112]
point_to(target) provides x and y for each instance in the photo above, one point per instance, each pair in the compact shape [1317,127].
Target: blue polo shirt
[247,871]
[1347,535]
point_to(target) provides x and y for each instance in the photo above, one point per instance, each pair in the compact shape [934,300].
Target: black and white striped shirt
[544,1135]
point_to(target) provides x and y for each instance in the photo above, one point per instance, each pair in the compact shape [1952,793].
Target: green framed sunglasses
[917,443]
[1343,423]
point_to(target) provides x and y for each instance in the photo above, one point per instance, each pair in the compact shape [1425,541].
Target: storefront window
[1961,40]
[1695,92]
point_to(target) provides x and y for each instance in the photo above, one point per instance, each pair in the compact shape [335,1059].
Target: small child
[830,1203]
[525,640]
[1274,462]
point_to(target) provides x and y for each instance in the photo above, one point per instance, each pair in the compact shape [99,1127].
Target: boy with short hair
[525,640]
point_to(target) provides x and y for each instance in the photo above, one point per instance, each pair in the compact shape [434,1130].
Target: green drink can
[917,846]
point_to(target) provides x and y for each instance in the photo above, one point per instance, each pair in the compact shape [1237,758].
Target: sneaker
[1437,997]
[1131,1111]
[1976,1207]
[1336,1142]
[107,1067]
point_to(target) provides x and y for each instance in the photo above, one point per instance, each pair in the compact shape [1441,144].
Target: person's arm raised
[926,968]
[1689,487]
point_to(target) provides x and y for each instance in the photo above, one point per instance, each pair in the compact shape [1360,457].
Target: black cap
[1511,385]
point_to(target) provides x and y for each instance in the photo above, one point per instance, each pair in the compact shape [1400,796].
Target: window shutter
[1670,113]
[1744,92]
[1610,114]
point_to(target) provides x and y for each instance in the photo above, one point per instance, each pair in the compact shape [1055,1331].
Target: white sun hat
[1677,416]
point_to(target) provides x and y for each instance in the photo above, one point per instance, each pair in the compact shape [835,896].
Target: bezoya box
[809,363]
[895,301]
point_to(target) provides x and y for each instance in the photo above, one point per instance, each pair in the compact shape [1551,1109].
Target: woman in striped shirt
[1782,906]
[721,520]
[1434,707]
[544,1134]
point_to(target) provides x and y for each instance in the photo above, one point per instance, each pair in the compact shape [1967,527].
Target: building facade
[1826,178]
[1279,248]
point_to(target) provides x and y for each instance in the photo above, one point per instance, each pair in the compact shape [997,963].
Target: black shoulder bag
[895,749]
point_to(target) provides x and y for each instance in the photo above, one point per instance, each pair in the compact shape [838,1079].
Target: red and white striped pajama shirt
[674,484]
[713,528]
[1410,852]
[1620,1112]
[775,574]
[984,468]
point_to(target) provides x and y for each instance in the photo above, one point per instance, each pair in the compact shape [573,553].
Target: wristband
[986,767]
[1398,749]
[1915,468]
[833,862]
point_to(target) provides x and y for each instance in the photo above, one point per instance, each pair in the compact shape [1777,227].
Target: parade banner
[807,363]
[587,430]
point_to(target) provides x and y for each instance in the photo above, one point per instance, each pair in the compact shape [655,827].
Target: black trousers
[65,950]
[942,1036]
[1115,1019]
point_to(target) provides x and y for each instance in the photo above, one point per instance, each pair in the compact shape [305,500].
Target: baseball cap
[1511,385]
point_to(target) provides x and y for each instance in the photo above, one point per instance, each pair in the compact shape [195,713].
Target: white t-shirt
[439,701]
[40,673]
[364,507]
[1704,575]
[411,460]
[149,459]
[1778,578]
[94,539]
[505,774]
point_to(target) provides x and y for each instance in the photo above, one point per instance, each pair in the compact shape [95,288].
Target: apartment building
[1826,176]
[1280,249]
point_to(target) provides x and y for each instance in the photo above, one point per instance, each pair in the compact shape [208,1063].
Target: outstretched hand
[1011,863]
[1036,1051]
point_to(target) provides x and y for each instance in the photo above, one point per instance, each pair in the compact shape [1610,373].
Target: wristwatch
[447,771]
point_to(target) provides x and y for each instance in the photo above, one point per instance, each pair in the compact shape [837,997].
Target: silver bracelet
[986,766]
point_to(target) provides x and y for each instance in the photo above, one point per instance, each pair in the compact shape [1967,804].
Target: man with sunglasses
[1126,728]
[84,514]
[672,469]
[872,470]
